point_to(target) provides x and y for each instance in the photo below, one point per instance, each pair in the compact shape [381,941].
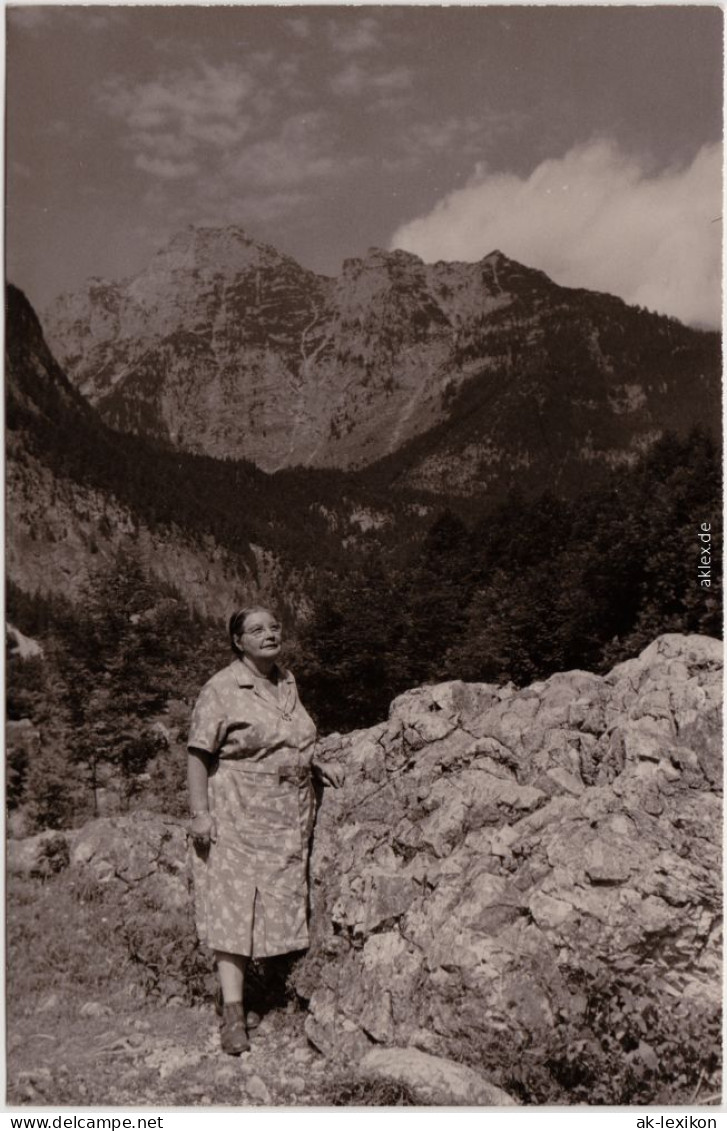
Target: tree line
[539,586]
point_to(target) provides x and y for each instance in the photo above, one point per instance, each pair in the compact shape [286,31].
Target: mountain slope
[72,485]
[582,383]
[466,375]
[220,532]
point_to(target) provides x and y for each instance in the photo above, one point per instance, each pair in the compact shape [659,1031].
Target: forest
[538,586]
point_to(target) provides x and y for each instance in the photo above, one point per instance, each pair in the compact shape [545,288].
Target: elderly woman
[251,747]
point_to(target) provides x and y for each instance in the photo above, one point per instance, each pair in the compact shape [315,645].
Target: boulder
[497,857]
[143,854]
[432,1079]
[21,646]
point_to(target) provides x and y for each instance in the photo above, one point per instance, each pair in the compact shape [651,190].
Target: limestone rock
[257,1090]
[95,1009]
[494,851]
[22,646]
[143,853]
[433,1079]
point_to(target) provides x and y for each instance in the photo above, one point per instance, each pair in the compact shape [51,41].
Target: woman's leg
[231,970]
[233,1033]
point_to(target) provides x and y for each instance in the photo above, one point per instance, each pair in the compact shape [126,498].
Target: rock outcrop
[495,854]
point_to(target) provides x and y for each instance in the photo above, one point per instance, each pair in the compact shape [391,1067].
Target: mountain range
[461,377]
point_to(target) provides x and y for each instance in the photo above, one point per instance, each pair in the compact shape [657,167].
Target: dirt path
[93,1054]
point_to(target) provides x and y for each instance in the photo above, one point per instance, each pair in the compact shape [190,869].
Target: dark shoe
[252,1019]
[233,1034]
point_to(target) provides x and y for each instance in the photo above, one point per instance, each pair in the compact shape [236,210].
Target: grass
[72,934]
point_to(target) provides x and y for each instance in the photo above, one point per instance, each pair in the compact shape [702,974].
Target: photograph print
[363,554]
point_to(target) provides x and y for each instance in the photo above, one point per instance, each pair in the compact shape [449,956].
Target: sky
[584,140]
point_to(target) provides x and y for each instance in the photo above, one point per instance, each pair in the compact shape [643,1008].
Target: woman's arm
[198,762]
[202,826]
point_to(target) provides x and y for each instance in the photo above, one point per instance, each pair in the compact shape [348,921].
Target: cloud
[182,98]
[299,26]
[184,121]
[97,20]
[162,167]
[299,152]
[463,136]
[594,218]
[364,34]
[256,209]
[437,137]
[33,16]
[162,143]
[227,134]
[28,16]
[355,80]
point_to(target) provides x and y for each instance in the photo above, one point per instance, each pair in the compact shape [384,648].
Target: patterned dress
[251,890]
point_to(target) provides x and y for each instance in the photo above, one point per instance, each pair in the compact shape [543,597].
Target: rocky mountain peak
[225,346]
[223,250]
[391,263]
[396,257]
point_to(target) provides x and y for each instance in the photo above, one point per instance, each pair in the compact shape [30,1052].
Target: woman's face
[261,637]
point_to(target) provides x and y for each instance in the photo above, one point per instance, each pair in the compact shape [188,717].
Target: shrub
[54,857]
[631,1045]
[351,1090]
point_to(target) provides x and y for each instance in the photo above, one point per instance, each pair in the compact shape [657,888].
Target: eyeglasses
[260,631]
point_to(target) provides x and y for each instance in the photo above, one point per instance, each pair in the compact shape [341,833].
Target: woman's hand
[332,775]
[202,829]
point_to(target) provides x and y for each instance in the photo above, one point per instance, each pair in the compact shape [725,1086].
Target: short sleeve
[207,725]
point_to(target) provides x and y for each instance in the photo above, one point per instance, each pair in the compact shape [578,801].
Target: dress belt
[291,773]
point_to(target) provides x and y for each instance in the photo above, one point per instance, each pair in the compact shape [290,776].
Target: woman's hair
[236,624]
